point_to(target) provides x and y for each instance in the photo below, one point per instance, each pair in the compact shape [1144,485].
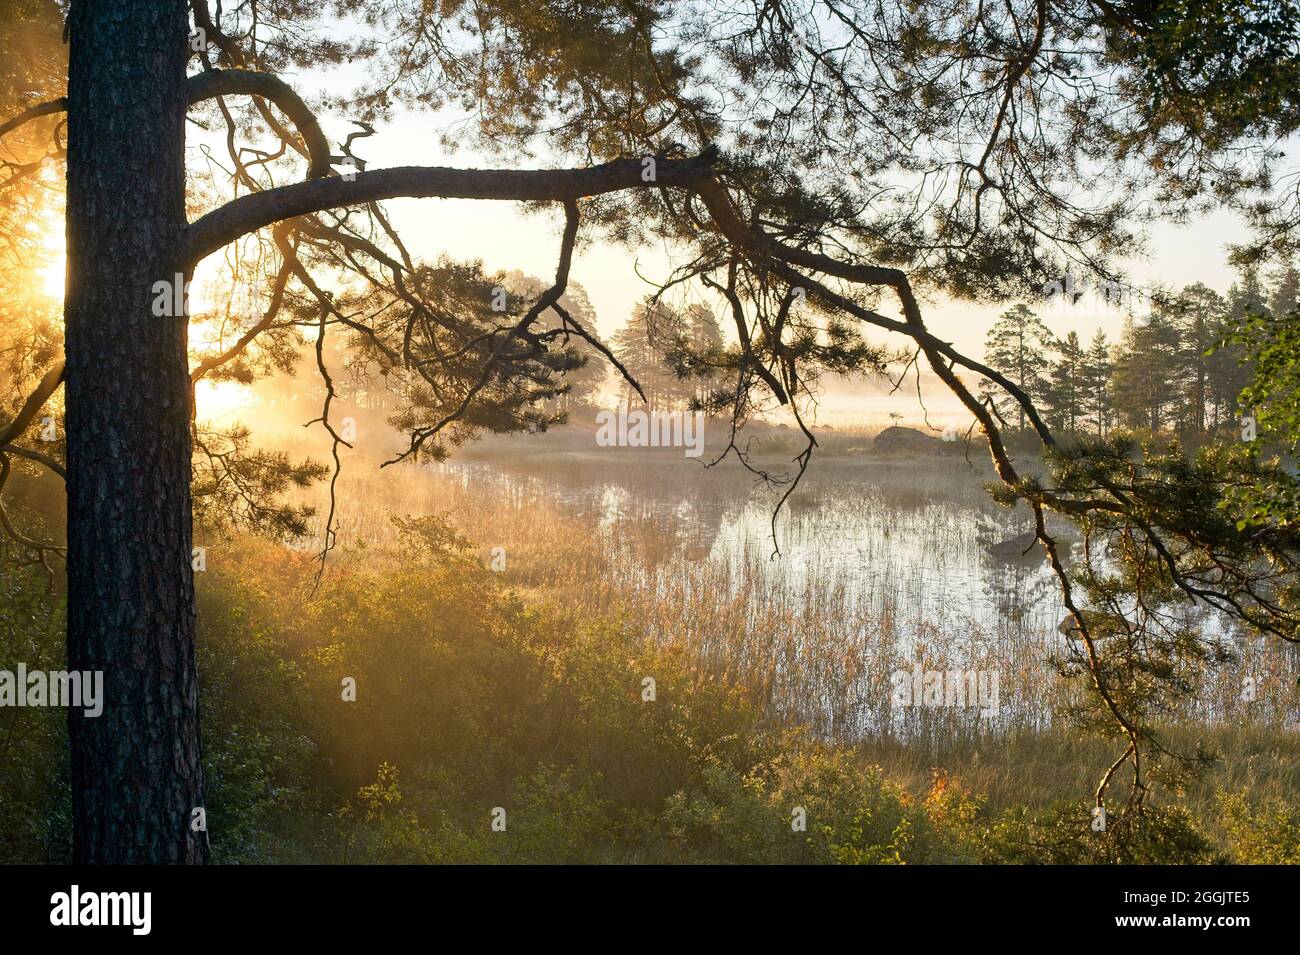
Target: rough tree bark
[137,772]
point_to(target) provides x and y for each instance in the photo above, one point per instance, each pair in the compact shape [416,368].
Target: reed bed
[883,569]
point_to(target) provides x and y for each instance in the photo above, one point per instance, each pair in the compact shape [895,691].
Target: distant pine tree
[1095,384]
[1198,316]
[1066,388]
[1146,378]
[1020,346]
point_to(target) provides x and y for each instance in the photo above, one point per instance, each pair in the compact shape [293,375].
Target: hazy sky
[504,237]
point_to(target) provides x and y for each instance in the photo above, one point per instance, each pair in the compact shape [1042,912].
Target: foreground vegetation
[469,698]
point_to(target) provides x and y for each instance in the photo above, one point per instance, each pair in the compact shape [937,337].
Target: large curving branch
[760,244]
[34,112]
[49,463]
[236,57]
[49,383]
[213,83]
[249,213]
[35,401]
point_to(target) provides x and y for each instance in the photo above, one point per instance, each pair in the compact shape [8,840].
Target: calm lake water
[909,536]
[884,563]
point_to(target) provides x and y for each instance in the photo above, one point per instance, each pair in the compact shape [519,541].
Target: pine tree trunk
[137,772]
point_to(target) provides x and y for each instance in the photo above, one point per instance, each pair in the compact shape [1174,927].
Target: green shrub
[1265,832]
[469,700]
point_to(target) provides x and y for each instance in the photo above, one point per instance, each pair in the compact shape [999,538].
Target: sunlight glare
[220,399]
[53,274]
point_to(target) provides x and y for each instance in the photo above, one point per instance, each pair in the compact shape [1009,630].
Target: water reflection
[883,566]
[916,550]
